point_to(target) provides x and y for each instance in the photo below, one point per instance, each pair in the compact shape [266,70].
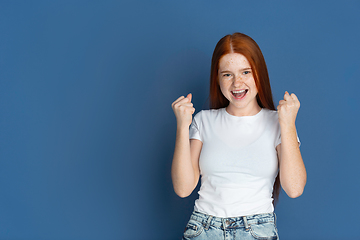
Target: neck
[240,112]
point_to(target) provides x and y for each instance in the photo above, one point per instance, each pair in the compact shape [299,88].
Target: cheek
[252,83]
[224,90]
[223,86]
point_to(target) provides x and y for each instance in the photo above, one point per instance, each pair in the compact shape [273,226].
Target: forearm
[182,171]
[292,168]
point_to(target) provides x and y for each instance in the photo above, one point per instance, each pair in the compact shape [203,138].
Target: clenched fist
[183,109]
[288,109]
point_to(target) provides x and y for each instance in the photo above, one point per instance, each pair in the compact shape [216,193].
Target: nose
[238,81]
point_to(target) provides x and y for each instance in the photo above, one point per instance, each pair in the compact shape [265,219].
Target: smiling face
[237,84]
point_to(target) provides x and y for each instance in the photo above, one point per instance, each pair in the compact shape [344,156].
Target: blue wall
[87,132]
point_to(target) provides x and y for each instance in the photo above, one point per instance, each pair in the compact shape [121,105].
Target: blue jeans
[202,226]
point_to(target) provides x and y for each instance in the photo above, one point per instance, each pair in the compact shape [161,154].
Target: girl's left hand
[288,109]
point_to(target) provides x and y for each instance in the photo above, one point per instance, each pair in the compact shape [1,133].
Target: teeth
[240,91]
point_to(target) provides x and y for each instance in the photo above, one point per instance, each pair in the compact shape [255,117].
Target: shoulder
[271,115]
[203,114]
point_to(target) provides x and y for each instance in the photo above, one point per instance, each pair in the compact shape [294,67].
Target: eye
[226,75]
[246,72]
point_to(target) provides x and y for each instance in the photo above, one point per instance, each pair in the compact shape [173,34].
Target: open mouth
[239,93]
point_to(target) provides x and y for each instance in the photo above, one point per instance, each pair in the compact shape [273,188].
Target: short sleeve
[278,139]
[194,132]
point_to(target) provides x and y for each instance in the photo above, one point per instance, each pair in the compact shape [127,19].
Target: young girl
[242,148]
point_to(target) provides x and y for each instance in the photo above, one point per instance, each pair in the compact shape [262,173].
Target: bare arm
[185,165]
[185,171]
[292,168]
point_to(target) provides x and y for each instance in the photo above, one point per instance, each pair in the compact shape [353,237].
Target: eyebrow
[240,70]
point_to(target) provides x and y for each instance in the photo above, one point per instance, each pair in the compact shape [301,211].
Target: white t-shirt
[238,161]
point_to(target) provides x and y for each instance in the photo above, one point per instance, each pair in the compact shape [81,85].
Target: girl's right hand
[183,109]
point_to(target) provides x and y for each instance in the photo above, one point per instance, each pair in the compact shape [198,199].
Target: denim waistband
[232,222]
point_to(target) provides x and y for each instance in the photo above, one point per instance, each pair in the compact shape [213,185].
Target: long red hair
[245,45]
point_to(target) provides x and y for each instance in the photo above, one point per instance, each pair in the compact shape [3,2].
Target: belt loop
[246,223]
[274,218]
[208,222]
[223,224]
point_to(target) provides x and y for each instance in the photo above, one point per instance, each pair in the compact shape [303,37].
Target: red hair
[245,45]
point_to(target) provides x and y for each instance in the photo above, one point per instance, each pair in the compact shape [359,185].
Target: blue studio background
[87,131]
